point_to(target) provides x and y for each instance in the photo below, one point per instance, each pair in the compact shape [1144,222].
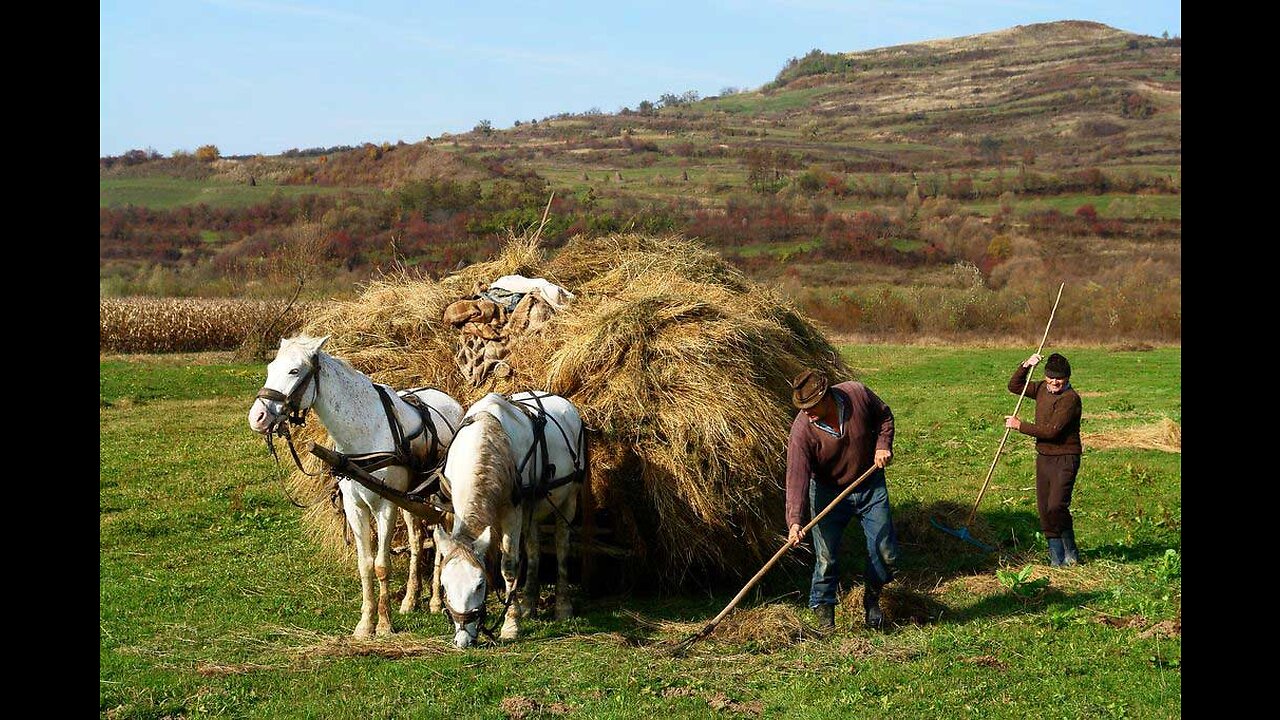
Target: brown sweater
[1057,425]
[811,452]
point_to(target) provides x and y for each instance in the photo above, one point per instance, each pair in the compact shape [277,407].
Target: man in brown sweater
[840,433]
[1057,434]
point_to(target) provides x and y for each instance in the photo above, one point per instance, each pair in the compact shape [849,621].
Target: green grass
[1158,207]
[208,587]
[162,193]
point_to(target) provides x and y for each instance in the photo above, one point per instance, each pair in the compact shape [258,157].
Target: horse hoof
[385,630]
[509,631]
[407,607]
[435,608]
[362,631]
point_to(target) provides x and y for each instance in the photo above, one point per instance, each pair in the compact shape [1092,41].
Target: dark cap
[1057,367]
[808,388]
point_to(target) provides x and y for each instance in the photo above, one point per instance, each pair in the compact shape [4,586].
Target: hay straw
[1165,435]
[765,628]
[393,647]
[680,366]
[901,605]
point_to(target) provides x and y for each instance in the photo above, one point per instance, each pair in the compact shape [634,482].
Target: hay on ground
[1165,435]
[678,362]
[901,605]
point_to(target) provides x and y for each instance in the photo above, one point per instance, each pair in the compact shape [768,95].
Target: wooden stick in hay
[688,642]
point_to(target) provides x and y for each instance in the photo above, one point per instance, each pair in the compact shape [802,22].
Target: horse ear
[322,341]
[481,545]
[282,342]
[444,543]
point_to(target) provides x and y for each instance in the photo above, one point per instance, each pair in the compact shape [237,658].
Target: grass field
[163,193]
[212,604]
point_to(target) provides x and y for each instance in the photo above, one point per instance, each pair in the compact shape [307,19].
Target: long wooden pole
[782,551]
[974,512]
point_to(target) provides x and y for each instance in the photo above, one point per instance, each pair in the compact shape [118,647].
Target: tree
[484,127]
[207,153]
[990,148]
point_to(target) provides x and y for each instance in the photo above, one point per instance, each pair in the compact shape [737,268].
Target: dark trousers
[870,504]
[1055,479]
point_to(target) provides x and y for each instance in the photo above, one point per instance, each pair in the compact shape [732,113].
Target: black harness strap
[369,462]
[547,480]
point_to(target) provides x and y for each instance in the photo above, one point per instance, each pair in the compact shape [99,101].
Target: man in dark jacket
[1057,434]
[840,433]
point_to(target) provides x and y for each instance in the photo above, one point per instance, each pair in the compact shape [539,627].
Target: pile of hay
[680,366]
[1165,435]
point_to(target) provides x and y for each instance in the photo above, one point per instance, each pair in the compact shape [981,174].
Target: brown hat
[808,388]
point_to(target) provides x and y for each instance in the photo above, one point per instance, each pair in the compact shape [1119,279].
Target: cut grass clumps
[680,365]
[1165,435]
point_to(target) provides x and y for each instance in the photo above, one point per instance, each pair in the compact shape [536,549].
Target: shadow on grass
[1008,604]
[1126,553]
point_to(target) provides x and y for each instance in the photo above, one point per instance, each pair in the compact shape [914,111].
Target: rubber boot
[1070,555]
[1056,552]
[826,615]
[871,605]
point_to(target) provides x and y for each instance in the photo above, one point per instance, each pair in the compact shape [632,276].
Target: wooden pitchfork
[962,532]
[683,646]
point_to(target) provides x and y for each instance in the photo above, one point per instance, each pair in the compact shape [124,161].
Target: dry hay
[901,606]
[766,628]
[678,362]
[399,645]
[518,707]
[1165,435]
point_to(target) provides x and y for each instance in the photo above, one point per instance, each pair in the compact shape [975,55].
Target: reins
[400,455]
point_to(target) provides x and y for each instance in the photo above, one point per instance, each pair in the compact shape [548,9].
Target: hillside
[1049,150]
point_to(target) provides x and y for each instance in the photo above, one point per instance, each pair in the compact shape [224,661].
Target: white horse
[359,416]
[499,449]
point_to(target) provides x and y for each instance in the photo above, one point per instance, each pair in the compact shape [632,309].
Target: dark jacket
[811,452]
[1057,425]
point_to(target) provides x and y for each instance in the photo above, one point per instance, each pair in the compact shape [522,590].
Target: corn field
[157,325]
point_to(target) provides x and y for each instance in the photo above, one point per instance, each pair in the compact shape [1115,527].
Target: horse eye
[293,371]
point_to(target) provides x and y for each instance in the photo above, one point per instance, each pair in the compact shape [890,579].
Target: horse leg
[533,554]
[358,519]
[414,585]
[436,604]
[385,520]
[564,601]
[510,568]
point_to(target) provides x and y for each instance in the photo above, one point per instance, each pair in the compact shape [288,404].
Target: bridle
[478,615]
[292,402]
[292,415]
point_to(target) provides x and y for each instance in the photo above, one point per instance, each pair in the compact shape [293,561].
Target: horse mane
[464,547]
[492,476]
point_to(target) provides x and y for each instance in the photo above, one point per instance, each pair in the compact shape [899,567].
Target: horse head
[292,383]
[464,583]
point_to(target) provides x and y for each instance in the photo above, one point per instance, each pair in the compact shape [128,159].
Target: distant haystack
[679,363]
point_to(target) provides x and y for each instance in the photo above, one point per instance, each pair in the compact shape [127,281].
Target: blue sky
[263,76]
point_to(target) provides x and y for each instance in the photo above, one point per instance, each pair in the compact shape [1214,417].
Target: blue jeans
[870,503]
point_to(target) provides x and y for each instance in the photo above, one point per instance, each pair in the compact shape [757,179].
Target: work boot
[1056,551]
[826,615]
[1070,555]
[871,604]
